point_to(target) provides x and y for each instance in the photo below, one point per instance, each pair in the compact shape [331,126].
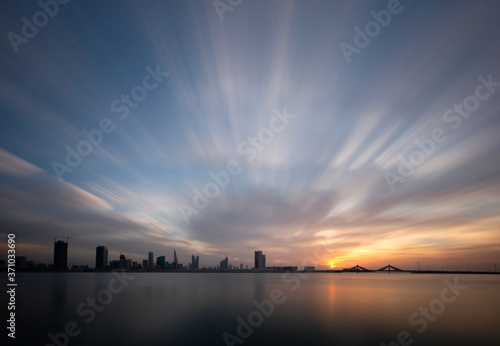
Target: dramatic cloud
[335,174]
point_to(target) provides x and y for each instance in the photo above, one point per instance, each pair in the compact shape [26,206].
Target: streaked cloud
[319,181]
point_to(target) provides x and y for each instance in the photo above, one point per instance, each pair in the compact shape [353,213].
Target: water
[198,309]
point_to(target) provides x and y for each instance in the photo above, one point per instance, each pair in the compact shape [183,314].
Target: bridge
[359,269]
[389,268]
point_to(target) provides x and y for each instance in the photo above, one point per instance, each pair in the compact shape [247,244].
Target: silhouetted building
[125,263]
[175,264]
[259,260]
[145,263]
[150,259]
[224,264]
[60,255]
[20,262]
[286,269]
[101,256]
[195,262]
[160,261]
[115,264]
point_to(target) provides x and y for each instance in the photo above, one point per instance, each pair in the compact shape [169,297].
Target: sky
[320,132]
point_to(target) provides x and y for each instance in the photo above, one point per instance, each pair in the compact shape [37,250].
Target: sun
[332,265]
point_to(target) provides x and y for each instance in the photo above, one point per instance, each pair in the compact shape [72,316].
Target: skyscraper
[195,262]
[224,264]
[150,259]
[160,261]
[263,261]
[258,260]
[174,265]
[101,256]
[60,254]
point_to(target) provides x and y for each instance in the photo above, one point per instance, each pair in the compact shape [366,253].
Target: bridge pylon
[389,268]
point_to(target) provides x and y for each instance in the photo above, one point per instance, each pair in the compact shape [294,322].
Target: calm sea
[207,308]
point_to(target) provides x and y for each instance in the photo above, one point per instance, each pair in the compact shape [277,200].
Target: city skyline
[61,253]
[370,130]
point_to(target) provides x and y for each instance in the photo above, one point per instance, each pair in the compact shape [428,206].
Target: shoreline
[250,271]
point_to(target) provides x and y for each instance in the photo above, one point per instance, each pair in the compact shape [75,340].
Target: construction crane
[57,236]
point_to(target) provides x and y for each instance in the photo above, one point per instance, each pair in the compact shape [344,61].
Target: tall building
[101,256]
[60,254]
[195,262]
[258,260]
[176,262]
[263,261]
[160,261]
[224,264]
[150,259]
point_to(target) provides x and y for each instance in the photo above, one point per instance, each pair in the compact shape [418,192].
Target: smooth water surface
[315,309]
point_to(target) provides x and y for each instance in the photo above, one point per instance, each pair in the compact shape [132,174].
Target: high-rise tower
[260,260]
[60,255]
[101,256]
[176,262]
[150,259]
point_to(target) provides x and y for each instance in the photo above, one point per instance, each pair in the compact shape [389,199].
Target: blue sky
[321,179]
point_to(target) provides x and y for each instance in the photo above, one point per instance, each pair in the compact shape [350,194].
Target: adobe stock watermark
[362,38]
[120,106]
[29,28]
[249,149]
[90,307]
[429,314]
[427,146]
[266,308]
[222,6]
